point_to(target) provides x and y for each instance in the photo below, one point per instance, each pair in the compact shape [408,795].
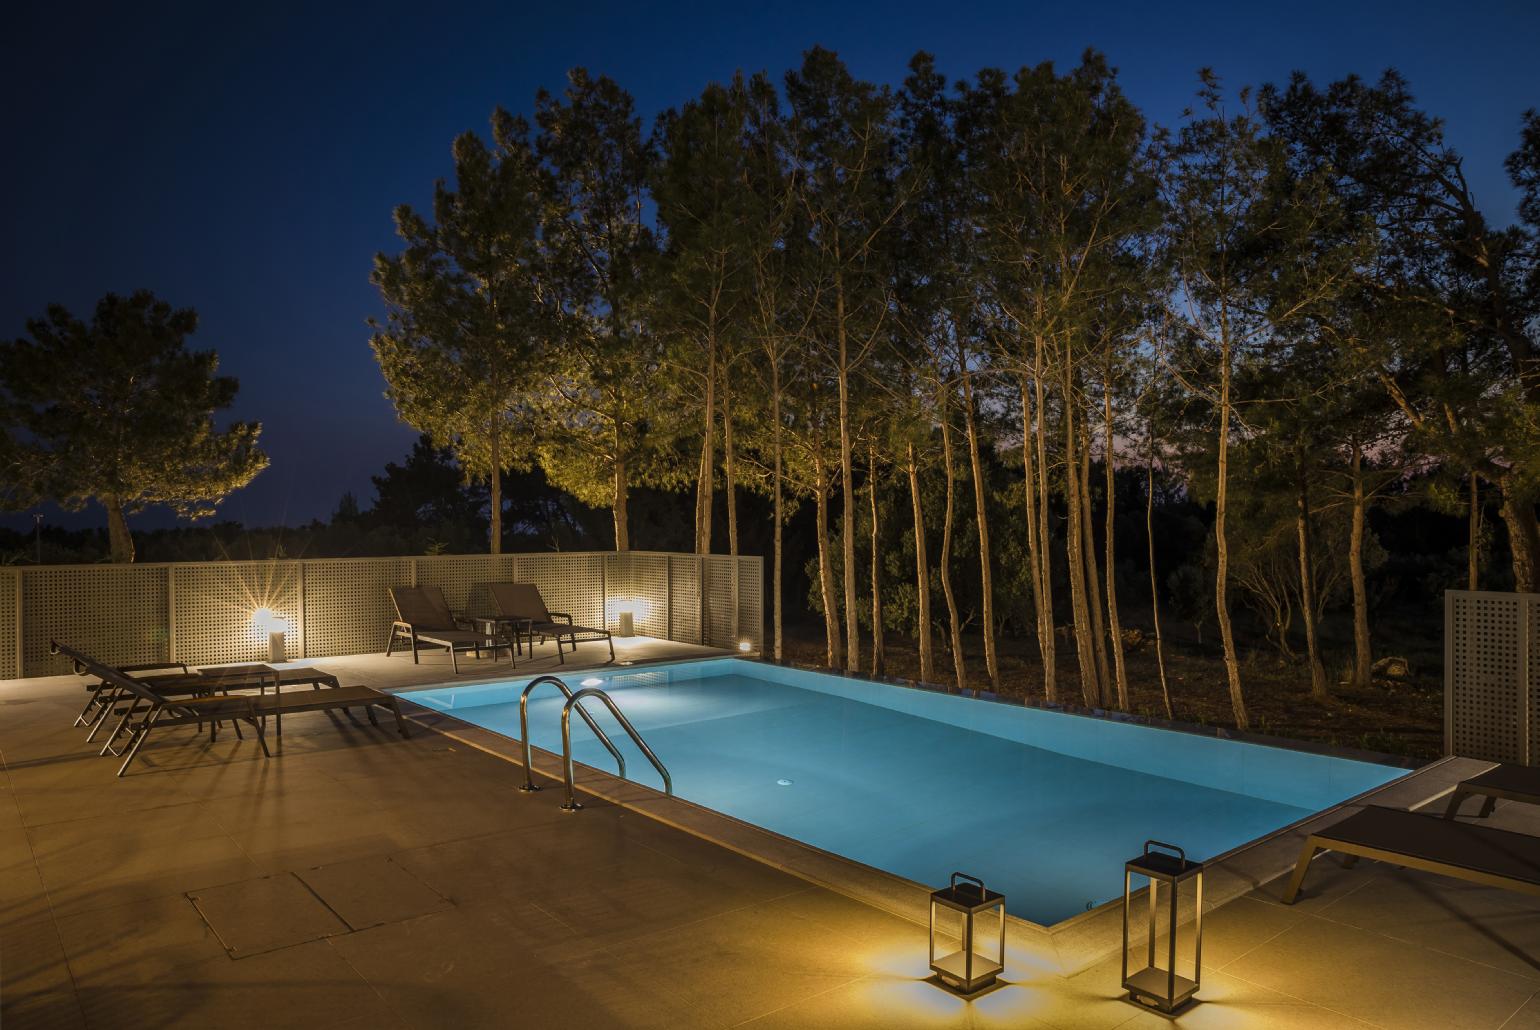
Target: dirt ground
[1393,716]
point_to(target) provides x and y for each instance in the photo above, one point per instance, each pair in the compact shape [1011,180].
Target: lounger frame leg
[1301,867]
[136,739]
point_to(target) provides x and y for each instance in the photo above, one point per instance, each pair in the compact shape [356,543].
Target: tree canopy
[117,410]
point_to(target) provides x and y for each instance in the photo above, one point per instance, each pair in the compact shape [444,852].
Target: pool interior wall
[1044,806]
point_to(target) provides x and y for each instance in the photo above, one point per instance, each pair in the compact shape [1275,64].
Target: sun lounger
[423,617]
[155,710]
[522,601]
[100,695]
[107,699]
[1478,854]
[1508,782]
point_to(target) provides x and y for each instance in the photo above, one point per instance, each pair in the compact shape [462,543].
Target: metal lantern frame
[1156,986]
[966,970]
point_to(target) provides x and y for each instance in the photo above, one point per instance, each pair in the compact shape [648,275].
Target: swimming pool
[1044,806]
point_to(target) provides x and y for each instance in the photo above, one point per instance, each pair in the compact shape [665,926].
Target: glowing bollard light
[1158,986]
[955,913]
[275,628]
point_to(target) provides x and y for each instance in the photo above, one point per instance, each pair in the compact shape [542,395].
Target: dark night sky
[245,161]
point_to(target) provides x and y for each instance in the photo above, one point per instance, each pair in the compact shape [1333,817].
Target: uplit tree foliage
[467,316]
[976,327]
[117,410]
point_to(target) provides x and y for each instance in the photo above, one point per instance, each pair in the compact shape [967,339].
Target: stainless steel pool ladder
[575,701]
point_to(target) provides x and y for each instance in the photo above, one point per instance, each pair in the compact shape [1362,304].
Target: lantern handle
[970,879]
[1153,844]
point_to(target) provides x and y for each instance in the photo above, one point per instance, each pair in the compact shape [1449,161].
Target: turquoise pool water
[1044,806]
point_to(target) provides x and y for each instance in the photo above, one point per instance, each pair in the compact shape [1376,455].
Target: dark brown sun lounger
[1464,851]
[522,601]
[155,710]
[1507,782]
[100,694]
[423,617]
[106,699]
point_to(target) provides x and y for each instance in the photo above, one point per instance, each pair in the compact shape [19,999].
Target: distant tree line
[985,311]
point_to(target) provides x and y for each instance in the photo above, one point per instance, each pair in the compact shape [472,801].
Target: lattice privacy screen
[10,623]
[684,621]
[347,604]
[1491,664]
[202,613]
[118,613]
[214,607]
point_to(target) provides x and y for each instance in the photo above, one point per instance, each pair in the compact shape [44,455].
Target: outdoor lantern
[1156,985]
[970,961]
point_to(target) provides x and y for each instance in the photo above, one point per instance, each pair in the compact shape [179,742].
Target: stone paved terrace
[360,881]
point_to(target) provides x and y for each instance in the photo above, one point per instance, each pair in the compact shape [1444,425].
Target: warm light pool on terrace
[1044,806]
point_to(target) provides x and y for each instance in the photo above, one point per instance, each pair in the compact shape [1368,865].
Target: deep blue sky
[244,159]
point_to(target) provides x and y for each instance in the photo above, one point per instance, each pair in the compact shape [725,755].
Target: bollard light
[969,960]
[275,628]
[1159,985]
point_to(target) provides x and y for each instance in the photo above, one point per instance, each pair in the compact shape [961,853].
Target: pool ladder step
[575,701]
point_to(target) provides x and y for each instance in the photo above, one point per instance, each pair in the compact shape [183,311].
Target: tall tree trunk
[1149,533]
[878,658]
[847,480]
[921,569]
[495,481]
[1075,549]
[727,465]
[1473,551]
[1034,547]
[119,539]
[1222,542]
[1093,574]
[1048,643]
[705,485]
[960,669]
[622,488]
[831,618]
[981,510]
[1114,624]
[777,505]
[1307,604]
[1518,515]
[1363,656]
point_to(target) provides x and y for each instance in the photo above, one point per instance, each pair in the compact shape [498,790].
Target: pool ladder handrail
[571,804]
[529,777]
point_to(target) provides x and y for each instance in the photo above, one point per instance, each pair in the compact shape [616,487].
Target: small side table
[502,631]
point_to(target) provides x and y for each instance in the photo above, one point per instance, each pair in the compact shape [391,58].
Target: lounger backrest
[423,607]
[520,601]
[107,674]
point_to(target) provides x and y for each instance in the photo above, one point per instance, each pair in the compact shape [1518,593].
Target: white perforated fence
[201,613]
[1492,676]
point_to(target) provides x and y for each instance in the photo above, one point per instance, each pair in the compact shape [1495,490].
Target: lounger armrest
[560,615]
[147,666]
